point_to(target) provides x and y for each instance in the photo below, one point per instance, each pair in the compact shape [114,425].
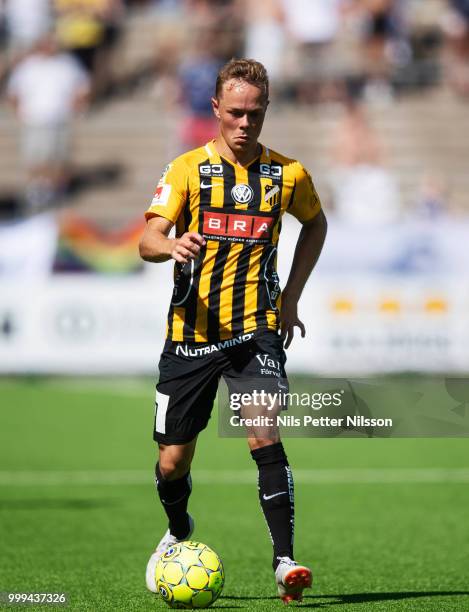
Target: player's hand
[289,320]
[187,247]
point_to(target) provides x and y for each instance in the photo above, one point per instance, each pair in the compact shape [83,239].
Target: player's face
[240,110]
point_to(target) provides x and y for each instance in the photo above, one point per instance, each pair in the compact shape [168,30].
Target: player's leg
[184,399]
[257,368]
[276,496]
[174,485]
[260,367]
[276,493]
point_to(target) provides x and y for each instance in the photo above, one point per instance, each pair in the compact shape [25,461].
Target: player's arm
[156,246]
[307,251]
[306,207]
[167,206]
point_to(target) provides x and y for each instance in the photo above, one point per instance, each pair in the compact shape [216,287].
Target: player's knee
[172,468]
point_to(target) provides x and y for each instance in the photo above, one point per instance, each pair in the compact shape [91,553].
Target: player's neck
[242,158]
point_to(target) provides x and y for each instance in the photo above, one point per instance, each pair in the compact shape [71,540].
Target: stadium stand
[124,141]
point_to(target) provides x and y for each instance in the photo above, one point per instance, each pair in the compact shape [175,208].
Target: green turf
[373,547]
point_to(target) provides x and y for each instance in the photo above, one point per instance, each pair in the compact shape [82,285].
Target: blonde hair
[247,70]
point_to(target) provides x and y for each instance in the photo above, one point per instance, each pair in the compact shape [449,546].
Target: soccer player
[227,199]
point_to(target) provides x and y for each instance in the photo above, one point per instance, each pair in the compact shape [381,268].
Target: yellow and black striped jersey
[232,287]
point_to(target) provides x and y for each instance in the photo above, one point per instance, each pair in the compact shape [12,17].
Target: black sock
[276,497]
[174,495]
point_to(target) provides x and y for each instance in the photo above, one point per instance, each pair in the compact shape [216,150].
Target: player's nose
[244,121]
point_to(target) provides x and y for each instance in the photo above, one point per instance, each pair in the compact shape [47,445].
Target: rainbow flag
[85,247]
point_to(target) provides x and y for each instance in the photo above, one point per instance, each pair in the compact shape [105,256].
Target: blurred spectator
[147,3]
[85,28]
[312,27]
[187,68]
[210,12]
[312,23]
[223,16]
[364,191]
[113,15]
[455,25]
[432,198]
[46,90]
[3,43]
[197,75]
[265,35]
[187,85]
[385,44]
[25,22]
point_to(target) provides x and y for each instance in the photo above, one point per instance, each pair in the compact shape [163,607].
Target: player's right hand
[187,247]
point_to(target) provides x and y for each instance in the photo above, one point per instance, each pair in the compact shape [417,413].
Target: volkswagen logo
[242,193]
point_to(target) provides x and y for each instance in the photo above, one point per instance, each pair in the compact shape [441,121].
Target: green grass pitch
[79,514]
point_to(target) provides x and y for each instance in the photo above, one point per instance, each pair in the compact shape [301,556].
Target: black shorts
[190,373]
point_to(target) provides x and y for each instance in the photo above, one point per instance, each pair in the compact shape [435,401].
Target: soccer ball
[189,575]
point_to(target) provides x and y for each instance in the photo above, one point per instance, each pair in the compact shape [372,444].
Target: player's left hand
[289,320]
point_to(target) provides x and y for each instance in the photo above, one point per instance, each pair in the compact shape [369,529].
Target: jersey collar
[212,152]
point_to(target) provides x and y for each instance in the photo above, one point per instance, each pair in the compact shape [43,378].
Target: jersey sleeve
[305,203]
[171,192]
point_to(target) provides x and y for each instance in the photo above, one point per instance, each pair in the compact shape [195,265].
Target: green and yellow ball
[190,575]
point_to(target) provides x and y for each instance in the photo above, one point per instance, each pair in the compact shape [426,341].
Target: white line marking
[203,477]
[113,387]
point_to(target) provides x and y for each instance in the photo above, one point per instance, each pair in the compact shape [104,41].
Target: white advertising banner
[85,324]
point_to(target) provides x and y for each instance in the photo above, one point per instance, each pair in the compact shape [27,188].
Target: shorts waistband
[199,349]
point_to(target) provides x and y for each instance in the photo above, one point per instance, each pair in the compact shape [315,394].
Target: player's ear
[216,107]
